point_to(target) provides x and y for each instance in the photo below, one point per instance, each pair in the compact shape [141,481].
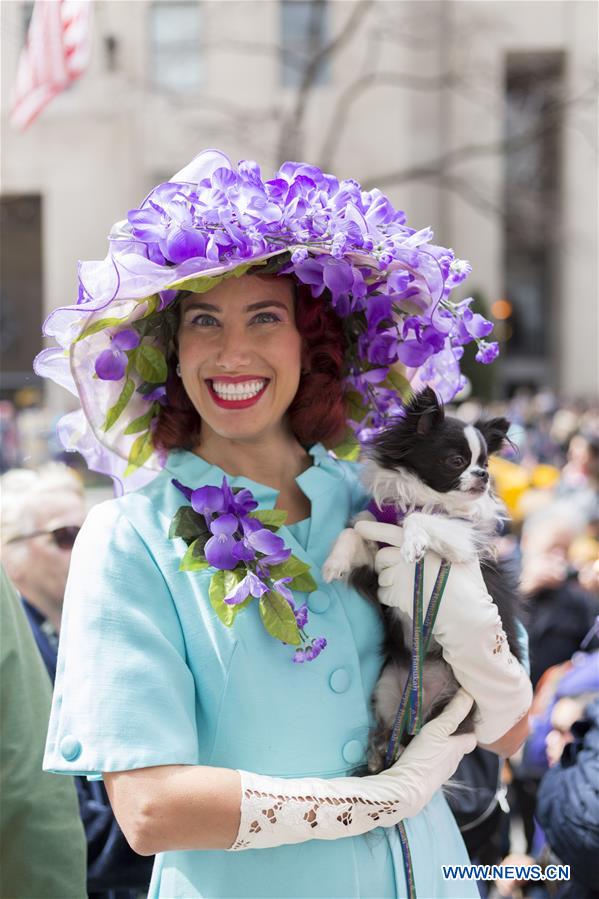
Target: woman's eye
[204,320]
[265,318]
[456,461]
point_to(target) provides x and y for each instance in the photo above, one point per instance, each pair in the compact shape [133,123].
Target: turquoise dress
[148,675]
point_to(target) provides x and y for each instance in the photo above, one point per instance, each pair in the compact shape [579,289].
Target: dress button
[353,752]
[340,680]
[319,601]
[70,748]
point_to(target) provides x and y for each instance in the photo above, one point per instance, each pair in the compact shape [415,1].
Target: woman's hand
[468,629]
[277,811]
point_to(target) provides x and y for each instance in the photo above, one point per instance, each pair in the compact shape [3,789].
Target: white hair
[20,490]
[561,518]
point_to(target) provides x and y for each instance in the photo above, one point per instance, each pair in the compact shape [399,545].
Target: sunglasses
[63,537]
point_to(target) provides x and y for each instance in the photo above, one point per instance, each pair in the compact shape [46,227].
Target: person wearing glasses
[42,513]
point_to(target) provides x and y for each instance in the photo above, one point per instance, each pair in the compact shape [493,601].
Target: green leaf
[298,571]
[140,452]
[202,284]
[398,382]
[278,618]
[99,326]
[349,448]
[190,525]
[270,518]
[150,363]
[153,304]
[222,583]
[194,560]
[115,411]
[141,423]
[356,410]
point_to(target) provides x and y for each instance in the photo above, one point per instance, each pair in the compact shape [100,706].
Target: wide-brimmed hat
[388,282]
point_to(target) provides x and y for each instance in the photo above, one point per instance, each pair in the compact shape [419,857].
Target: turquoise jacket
[148,675]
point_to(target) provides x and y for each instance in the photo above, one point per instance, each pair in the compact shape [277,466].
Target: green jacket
[42,842]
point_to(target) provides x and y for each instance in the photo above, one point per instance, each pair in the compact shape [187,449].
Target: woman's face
[240,355]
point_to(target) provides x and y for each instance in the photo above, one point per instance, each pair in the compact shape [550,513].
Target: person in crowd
[42,513]
[568,806]
[559,612]
[42,844]
[230,683]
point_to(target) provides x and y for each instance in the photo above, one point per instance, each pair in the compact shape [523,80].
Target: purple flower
[207,500]
[186,491]
[427,341]
[487,352]
[309,653]
[239,503]
[251,585]
[158,395]
[111,364]
[219,548]
[281,587]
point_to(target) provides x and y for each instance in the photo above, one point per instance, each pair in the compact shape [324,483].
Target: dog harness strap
[415,717]
[422,633]
[401,717]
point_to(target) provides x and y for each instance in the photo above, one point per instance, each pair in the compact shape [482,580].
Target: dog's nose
[481,474]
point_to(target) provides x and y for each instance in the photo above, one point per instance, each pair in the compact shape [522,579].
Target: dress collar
[324,475]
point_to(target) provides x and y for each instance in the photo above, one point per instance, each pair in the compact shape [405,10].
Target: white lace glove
[468,629]
[276,811]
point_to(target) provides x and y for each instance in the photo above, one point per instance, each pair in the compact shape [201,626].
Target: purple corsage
[223,529]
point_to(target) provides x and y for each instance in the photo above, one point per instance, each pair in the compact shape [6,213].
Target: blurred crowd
[548,478]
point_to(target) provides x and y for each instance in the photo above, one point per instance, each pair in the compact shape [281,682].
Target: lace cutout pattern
[269,810]
[501,647]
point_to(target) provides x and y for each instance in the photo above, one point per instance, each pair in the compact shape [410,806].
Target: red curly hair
[318,412]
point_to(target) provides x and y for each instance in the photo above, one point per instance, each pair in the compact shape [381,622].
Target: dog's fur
[433,470]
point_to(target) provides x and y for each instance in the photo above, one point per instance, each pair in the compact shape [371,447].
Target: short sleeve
[124,697]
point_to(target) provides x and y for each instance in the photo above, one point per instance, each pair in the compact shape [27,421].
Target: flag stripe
[56,52]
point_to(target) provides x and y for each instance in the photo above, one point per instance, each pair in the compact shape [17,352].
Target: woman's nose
[233,351]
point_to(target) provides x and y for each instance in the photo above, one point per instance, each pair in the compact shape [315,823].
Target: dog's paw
[336,568]
[415,544]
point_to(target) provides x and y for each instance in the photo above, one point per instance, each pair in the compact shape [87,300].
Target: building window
[176,63]
[534,88]
[304,32]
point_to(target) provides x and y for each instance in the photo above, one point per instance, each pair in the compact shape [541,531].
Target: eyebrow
[253,307]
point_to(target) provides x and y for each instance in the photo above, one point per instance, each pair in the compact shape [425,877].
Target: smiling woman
[294,342]
[235,326]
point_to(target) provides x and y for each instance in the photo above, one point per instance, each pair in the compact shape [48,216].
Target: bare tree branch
[359,87]
[288,144]
[479,150]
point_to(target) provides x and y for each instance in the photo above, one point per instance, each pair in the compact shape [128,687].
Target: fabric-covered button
[340,680]
[319,601]
[70,748]
[353,752]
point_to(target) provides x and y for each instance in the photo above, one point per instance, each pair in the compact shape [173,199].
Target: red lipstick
[236,404]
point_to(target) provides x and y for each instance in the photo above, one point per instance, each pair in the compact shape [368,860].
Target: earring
[178,370]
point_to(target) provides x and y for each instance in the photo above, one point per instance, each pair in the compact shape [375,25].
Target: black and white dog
[429,473]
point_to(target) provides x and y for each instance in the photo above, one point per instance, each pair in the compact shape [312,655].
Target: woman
[208,736]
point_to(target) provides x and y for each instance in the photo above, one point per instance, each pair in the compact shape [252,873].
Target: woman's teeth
[242,391]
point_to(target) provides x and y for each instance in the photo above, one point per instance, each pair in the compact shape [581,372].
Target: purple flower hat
[213,221]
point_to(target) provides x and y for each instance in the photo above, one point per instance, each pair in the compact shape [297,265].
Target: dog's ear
[494,430]
[424,412]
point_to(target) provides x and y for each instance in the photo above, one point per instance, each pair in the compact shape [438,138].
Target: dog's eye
[456,461]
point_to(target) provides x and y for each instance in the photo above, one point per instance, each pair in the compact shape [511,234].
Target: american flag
[56,52]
